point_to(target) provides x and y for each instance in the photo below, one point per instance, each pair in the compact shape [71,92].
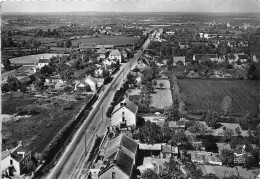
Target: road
[76,150]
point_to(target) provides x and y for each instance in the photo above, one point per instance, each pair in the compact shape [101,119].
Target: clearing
[161,97]
[38,130]
[208,94]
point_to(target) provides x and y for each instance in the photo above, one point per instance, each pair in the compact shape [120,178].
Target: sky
[132,6]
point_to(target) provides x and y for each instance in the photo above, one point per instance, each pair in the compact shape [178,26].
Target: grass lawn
[161,98]
[38,130]
[43,40]
[114,40]
[208,94]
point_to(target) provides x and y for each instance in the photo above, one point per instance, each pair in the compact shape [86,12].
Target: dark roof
[87,45]
[127,103]
[231,56]
[122,142]
[105,46]
[243,56]
[44,60]
[121,160]
[204,57]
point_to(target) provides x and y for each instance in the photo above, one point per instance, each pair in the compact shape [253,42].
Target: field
[115,40]
[38,130]
[162,98]
[43,40]
[208,94]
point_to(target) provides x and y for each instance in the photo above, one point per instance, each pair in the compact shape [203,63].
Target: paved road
[75,152]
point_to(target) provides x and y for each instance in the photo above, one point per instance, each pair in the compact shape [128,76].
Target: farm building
[15,161]
[207,57]
[43,62]
[85,46]
[124,114]
[102,52]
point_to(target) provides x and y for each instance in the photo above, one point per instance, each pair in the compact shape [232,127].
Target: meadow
[105,40]
[208,94]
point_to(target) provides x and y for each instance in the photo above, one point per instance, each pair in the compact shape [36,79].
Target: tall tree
[226,104]
[149,174]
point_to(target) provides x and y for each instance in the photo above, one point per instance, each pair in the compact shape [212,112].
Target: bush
[68,106]
[29,110]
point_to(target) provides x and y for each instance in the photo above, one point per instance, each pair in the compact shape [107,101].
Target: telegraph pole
[102,119]
[85,143]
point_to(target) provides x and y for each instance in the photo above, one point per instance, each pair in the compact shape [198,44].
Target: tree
[226,104]
[169,62]
[150,133]
[228,134]
[149,174]
[7,64]
[46,70]
[161,85]
[68,43]
[13,83]
[5,88]
[227,157]
[253,72]
[210,176]
[238,131]
[210,144]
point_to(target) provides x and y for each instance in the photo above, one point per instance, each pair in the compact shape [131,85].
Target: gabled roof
[115,52]
[124,52]
[102,50]
[105,46]
[121,160]
[124,143]
[128,104]
[87,45]
[44,60]
[91,79]
[204,57]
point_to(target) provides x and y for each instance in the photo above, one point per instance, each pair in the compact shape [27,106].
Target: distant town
[127,96]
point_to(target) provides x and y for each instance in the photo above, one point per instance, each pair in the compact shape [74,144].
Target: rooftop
[128,104]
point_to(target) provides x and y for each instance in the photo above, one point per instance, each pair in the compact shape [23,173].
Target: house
[169,151]
[124,54]
[231,58]
[99,72]
[86,46]
[108,62]
[206,57]
[115,55]
[119,158]
[102,52]
[241,57]
[42,62]
[180,125]
[124,114]
[202,157]
[105,46]
[91,82]
[15,161]
[243,44]
[81,86]
[179,59]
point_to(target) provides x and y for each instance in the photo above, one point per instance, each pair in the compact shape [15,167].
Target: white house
[91,82]
[42,62]
[108,62]
[124,114]
[15,161]
[115,55]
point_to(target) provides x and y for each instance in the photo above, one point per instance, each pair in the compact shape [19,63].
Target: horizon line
[187,12]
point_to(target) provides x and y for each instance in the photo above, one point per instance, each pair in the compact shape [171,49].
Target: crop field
[43,40]
[38,130]
[208,94]
[115,40]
